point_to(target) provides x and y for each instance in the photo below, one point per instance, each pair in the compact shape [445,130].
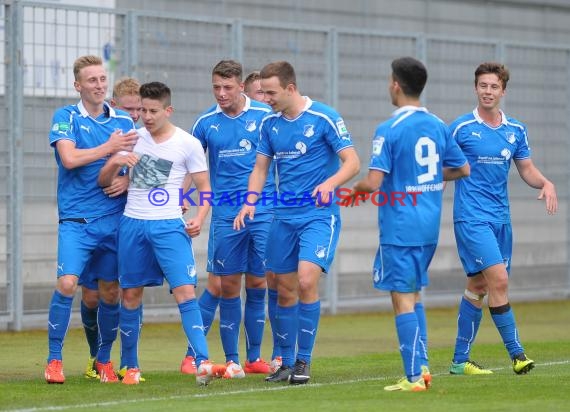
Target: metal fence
[346,68]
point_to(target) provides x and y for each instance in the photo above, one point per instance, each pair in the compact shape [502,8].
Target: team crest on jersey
[377,144]
[250,125]
[301,147]
[506,153]
[320,252]
[309,130]
[511,137]
[246,144]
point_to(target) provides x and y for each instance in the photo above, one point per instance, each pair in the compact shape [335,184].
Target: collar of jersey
[409,108]
[245,107]
[479,120]
[106,108]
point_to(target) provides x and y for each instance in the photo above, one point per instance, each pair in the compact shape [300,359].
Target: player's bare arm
[118,186]
[350,168]
[72,157]
[115,163]
[186,186]
[454,173]
[532,177]
[194,225]
[255,184]
[371,182]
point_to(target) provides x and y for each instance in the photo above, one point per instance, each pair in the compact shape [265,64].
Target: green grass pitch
[355,357]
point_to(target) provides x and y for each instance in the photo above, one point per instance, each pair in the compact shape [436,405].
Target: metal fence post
[237,40]
[14,98]
[568,171]
[332,92]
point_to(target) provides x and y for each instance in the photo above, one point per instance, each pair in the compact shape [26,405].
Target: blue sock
[408,336]
[309,315]
[108,321]
[468,321]
[272,312]
[254,322]
[208,305]
[130,321]
[58,322]
[423,342]
[287,321]
[192,325]
[89,320]
[230,321]
[504,319]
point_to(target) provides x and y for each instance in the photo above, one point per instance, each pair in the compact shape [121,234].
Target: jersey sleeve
[523,150]
[199,132]
[264,147]
[453,156]
[196,158]
[337,135]
[381,157]
[62,127]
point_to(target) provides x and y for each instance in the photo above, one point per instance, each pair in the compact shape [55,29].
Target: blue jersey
[78,195]
[306,153]
[483,196]
[231,143]
[411,148]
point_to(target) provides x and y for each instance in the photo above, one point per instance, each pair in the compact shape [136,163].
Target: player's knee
[255,282]
[109,292]
[214,285]
[67,285]
[501,285]
[131,298]
[90,297]
[184,293]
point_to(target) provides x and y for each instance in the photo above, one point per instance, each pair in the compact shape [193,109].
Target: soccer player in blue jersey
[490,140]
[83,136]
[306,139]
[154,241]
[412,154]
[252,89]
[229,132]
[126,97]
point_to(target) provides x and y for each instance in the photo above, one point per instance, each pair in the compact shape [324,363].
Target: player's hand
[185,207]
[118,186]
[193,227]
[323,194]
[350,198]
[548,193]
[126,159]
[119,141]
[246,211]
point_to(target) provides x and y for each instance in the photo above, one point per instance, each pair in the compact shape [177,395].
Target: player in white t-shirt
[154,240]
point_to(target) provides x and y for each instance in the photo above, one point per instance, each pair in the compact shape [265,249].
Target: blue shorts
[483,244]
[402,269]
[89,250]
[238,251]
[151,250]
[99,263]
[312,239]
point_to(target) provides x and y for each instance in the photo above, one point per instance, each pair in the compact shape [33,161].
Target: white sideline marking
[240,392]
